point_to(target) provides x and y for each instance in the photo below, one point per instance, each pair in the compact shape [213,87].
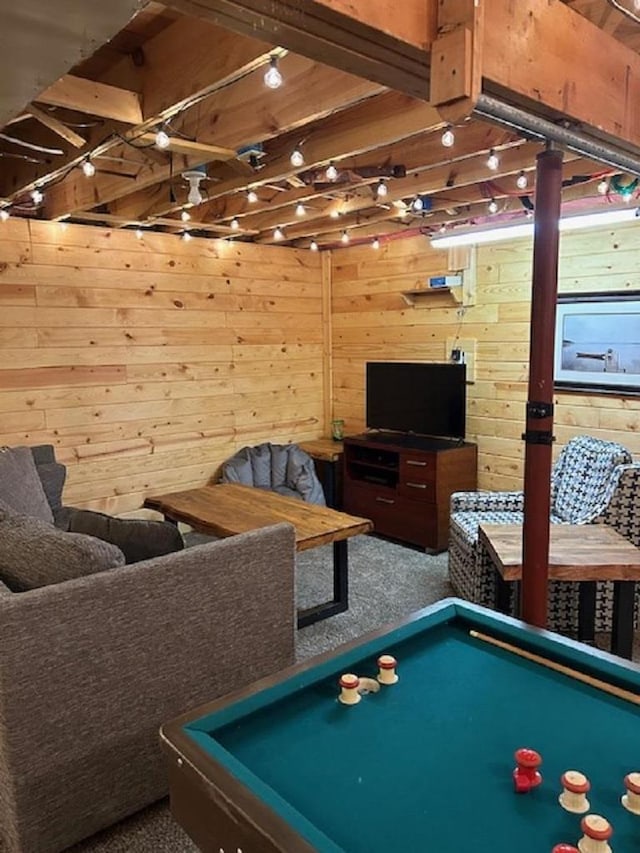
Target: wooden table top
[227,509]
[577,552]
[323,448]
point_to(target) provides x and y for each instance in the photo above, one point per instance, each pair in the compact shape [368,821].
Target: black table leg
[340,601]
[623,606]
[329,477]
[586,611]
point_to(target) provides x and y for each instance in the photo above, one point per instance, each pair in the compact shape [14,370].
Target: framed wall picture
[597,343]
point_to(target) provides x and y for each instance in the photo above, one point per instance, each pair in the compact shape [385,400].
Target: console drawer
[394,515]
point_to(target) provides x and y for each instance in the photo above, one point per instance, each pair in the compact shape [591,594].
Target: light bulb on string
[313,246]
[297,158]
[37,196]
[88,169]
[273,77]
[300,209]
[4,214]
[332,173]
[492,207]
[381,188]
[162,139]
[345,237]
[448,138]
[493,161]
[278,233]
[185,216]
[186,236]
[375,243]
[522,181]
[335,214]
[139,233]
[603,187]
[417,204]
[234,224]
[252,196]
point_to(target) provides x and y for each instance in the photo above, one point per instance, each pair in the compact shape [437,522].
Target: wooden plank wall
[148,362]
[371,321]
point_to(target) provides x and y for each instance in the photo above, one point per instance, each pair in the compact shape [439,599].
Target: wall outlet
[462,351]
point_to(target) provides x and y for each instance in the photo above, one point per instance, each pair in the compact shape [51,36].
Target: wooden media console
[404,484]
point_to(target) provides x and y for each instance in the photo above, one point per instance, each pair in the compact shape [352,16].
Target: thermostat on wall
[445,281]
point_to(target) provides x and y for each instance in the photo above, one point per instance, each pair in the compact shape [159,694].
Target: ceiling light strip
[520,120]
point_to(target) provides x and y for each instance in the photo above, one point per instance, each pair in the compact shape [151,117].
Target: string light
[335,214]
[88,169]
[234,224]
[300,209]
[448,138]
[139,233]
[185,216]
[162,138]
[313,246]
[37,196]
[417,204]
[273,77]
[297,158]
[493,161]
[332,173]
[375,243]
[278,233]
[492,207]
[603,187]
[345,237]
[522,181]
[4,214]
[252,196]
[381,188]
[186,236]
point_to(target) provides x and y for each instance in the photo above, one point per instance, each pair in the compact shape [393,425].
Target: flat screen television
[416,397]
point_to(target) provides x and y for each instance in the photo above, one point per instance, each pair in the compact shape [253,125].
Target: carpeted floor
[386,581]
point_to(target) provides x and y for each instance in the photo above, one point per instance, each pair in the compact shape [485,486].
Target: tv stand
[403,483]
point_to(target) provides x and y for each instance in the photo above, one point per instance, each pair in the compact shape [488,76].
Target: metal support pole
[538,435]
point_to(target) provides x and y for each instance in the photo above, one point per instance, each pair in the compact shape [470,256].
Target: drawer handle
[417,485]
[416,463]
[385,500]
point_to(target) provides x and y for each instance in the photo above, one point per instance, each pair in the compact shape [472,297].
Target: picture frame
[597,343]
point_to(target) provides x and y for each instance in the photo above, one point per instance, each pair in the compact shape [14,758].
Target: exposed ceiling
[205,86]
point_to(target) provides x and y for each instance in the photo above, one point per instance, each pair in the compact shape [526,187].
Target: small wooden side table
[328,453]
[585,553]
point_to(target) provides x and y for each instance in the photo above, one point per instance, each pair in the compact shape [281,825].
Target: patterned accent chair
[592,481]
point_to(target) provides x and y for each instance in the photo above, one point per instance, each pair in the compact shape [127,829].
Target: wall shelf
[417,298]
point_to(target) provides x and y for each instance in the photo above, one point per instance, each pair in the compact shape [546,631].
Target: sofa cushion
[34,553]
[137,538]
[20,485]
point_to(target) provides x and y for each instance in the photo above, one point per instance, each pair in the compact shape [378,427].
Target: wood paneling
[371,321]
[148,362]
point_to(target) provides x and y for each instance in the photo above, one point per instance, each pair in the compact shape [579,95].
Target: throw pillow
[137,538]
[20,485]
[34,553]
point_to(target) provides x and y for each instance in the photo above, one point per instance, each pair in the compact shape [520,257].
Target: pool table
[424,765]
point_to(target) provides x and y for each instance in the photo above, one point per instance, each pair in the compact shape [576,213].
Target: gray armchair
[282,468]
[593,481]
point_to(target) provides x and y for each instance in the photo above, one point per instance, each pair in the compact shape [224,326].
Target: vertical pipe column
[538,436]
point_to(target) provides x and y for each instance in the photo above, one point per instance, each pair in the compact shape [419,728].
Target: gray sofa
[91,666]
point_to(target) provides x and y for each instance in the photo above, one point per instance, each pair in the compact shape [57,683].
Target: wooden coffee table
[585,553]
[227,509]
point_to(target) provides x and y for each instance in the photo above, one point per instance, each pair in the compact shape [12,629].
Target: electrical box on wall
[463,351]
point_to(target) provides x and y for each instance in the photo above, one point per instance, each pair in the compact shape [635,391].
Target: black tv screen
[416,397]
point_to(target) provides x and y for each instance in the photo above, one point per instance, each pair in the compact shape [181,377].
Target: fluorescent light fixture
[525,229]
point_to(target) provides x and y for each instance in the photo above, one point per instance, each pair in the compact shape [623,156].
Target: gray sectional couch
[91,665]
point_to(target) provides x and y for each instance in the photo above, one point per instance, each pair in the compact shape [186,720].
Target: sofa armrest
[487,501]
[92,667]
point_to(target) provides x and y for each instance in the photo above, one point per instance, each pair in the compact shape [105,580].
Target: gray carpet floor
[387,582]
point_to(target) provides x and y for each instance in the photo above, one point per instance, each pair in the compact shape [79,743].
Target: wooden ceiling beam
[389,48]
[54,124]
[94,98]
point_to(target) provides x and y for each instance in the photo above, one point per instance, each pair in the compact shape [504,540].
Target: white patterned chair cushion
[593,481]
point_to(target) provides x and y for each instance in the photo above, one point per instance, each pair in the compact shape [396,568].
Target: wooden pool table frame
[205,797]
